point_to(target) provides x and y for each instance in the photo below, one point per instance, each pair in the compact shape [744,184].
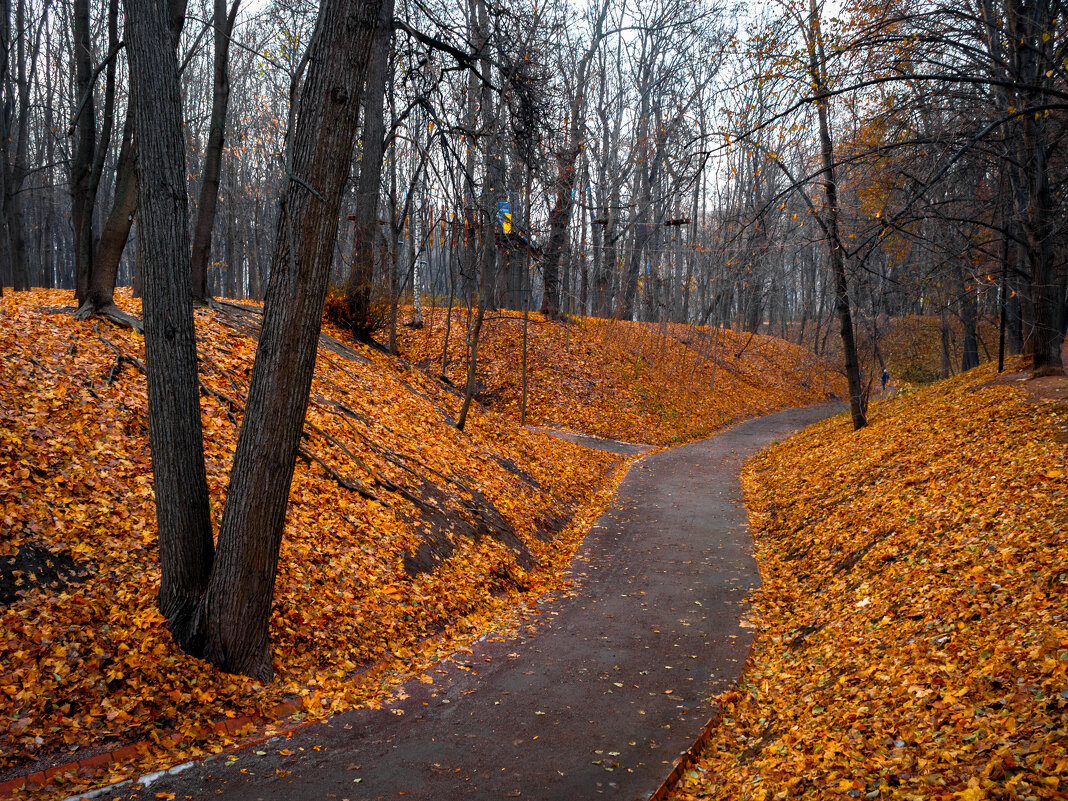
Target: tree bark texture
[117,227]
[237,604]
[644,178]
[94,293]
[1030,33]
[560,214]
[84,152]
[175,435]
[15,146]
[491,191]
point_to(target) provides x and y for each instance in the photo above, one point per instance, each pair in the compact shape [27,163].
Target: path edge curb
[89,767]
[688,757]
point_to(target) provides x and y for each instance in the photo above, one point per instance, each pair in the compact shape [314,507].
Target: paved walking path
[597,702]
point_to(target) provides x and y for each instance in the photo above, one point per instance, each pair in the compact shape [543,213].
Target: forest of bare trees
[672,160]
[655,160]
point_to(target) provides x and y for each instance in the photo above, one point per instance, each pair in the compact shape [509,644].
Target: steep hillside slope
[914,609]
[405,538]
[642,382]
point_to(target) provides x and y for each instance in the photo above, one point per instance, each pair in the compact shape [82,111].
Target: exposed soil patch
[35,567]
[1050,387]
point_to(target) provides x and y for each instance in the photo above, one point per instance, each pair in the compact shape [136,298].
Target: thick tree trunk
[16,134]
[361,278]
[88,184]
[559,221]
[210,174]
[237,606]
[175,435]
[1038,231]
[6,251]
[14,218]
[560,214]
[1031,35]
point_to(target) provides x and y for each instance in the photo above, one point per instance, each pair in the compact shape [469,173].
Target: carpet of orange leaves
[92,665]
[914,609]
[640,382]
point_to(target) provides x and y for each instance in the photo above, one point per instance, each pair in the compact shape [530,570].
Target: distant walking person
[886,378]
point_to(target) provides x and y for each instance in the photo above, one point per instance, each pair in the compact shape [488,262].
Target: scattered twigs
[221,371]
[347,483]
[121,358]
[348,414]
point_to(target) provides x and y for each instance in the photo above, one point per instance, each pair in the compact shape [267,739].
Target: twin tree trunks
[218,603]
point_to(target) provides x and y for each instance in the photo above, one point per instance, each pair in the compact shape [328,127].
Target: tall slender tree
[212,167]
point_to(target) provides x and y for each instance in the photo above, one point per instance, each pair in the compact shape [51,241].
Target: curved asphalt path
[597,702]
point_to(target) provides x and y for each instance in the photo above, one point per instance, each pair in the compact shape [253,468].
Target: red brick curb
[91,766]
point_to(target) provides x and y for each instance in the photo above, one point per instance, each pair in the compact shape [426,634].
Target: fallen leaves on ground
[405,538]
[914,609]
[93,663]
[911,347]
[640,382]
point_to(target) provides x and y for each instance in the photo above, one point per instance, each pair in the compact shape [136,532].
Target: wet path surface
[597,443]
[596,702]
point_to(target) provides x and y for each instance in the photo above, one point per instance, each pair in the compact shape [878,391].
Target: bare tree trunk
[84,188]
[237,605]
[947,360]
[15,132]
[175,435]
[1031,28]
[210,173]
[361,278]
[560,214]
[835,247]
[82,161]
[968,314]
[488,208]
[116,230]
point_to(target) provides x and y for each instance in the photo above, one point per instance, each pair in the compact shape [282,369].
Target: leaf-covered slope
[914,609]
[911,347]
[638,382]
[399,526]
